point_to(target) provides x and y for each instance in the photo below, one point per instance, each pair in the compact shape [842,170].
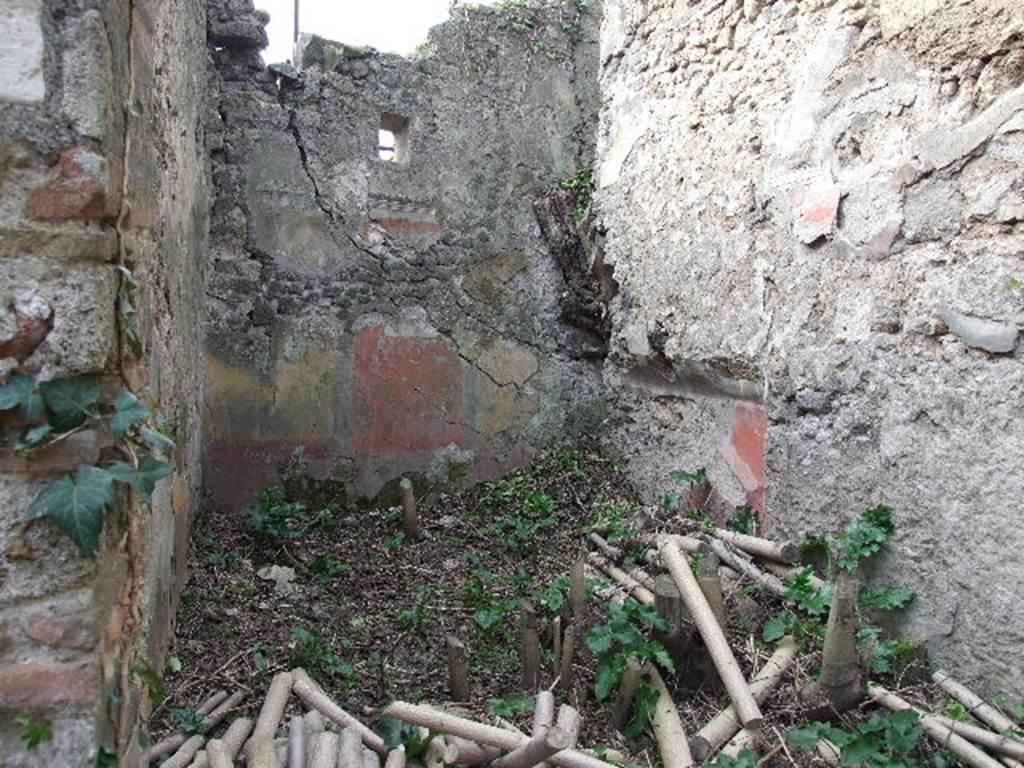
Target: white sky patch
[392,26]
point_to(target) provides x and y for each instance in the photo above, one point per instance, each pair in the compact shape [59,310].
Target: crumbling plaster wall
[102,163]
[369,319]
[816,214]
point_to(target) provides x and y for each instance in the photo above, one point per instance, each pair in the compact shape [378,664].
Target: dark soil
[368,612]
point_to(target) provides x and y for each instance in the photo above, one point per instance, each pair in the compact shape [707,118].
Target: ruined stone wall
[815,211]
[369,319]
[103,169]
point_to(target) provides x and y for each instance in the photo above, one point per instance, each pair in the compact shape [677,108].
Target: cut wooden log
[185,754]
[714,638]
[725,724]
[843,680]
[315,698]
[471,753]
[220,753]
[993,742]
[668,727]
[543,712]
[217,756]
[529,646]
[260,751]
[787,572]
[350,749]
[828,752]
[742,564]
[979,708]
[444,722]
[744,739]
[569,721]
[628,684]
[565,665]
[556,645]
[616,555]
[711,585]
[410,517]
[781,552]
[201,760]
[536,750]
[396,758]
[216,708]
[325,751]
[458,669]
[958,745]
[577,592]
[370,758]
[635,588]
[296,742]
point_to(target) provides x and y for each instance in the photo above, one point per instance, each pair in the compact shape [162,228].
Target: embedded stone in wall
[745,449]
[88,90]
[508,363]
[21,55]
[76,188]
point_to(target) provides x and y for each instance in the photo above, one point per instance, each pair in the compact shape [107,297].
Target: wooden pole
[396,758]
[714,638]
[979,708]
[725,724]
[536,750]
[529,646]
[314,697]
[543,712]
[296,743]
[781,552]
[744,739]
[216,708]
[628,684]
[577,592]
[668,727]
[410,518]
[370,758]
[569,721]
[325,751]
[458,669]
[742,564]
[185,753]
[958,745]
[636,589]
[711,585]
[444,722]
[993,742]
[350,749]
[220,753]
[565,665]
[471,753]
[260,750]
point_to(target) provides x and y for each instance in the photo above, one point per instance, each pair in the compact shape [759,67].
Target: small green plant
[886,654]
[325,568]
[395,540]
[622,637]
[644,702]
[57,408]
[810,599]
[189,719]
[273,518]
[582,188]
[519,527]
[554,594]
[863,537]
[673,499]
[398,734]
[744,520]
[954,709]
[746,759]
[417,618]
[219,555]
[886,597]
[881,741]
[34,729]
[510,705]
[492,618]
[313,652]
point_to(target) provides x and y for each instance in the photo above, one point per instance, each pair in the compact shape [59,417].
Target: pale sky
[393,26]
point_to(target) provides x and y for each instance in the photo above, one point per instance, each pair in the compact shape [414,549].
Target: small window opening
[393,138]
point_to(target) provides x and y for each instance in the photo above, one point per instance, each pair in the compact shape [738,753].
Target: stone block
[998,338]
[60,245]
[80,448]
[73,745]
[24,322]
[815,205]
[40,686]
[75,188]
[506,362]
[88,91]
[745,451]
[65,625]
[21,55]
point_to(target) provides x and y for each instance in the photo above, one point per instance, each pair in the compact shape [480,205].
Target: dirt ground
[367,611]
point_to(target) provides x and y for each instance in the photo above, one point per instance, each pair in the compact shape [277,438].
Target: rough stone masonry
[815,211]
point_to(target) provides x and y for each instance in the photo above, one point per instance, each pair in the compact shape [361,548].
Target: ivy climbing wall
[103,226]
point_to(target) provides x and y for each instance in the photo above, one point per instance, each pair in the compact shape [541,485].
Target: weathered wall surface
[816,214]
[371,318]
[102,165]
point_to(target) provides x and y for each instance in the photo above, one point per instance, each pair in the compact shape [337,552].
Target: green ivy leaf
[863,749]
[644,702]
[143,479]
[157,440]
[76,504]
[33,437]
[22,390]
[71,401]
[129,413]
[804,737]
[608,673]
[886,597]
[775,629]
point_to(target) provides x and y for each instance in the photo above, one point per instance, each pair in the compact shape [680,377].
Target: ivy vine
[57,409]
